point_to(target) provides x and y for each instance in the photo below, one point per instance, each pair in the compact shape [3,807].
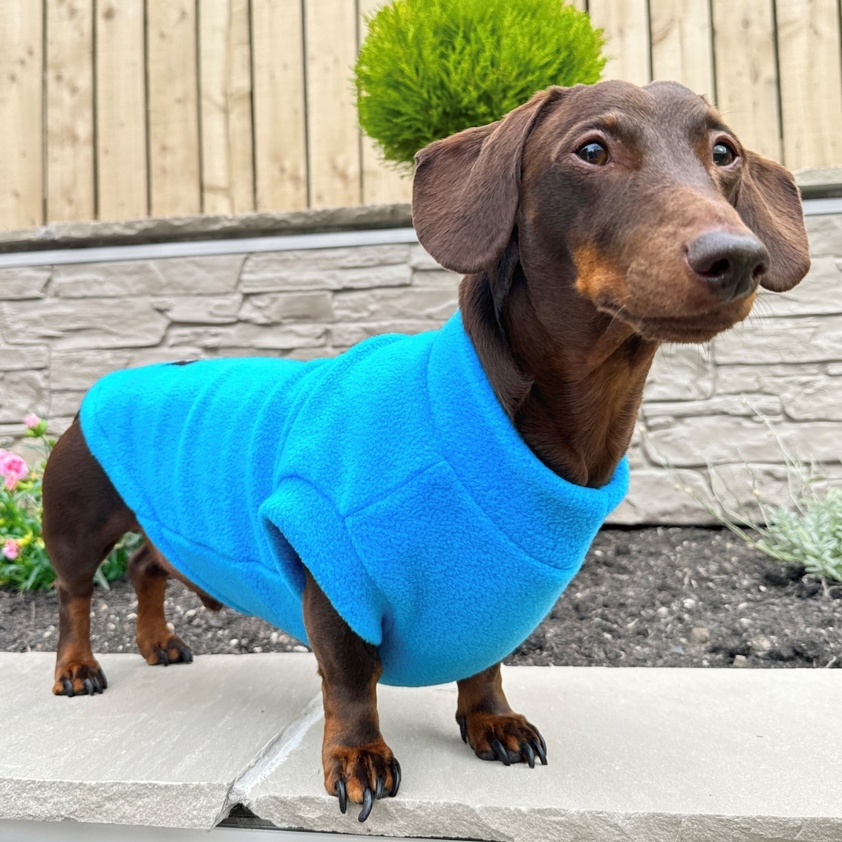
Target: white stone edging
[258,245]
[209,248]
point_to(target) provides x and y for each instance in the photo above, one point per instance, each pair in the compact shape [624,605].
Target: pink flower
[31,420]
[13,468]
[11,549]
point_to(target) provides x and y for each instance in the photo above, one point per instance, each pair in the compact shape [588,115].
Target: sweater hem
[290,515]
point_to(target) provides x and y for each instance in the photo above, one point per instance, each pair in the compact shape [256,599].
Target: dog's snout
[731,264]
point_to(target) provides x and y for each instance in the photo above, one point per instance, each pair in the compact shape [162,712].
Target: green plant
[24,564]
[808,532]
[429,68]
[811,535]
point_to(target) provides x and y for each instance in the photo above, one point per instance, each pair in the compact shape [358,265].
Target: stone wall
[776,379]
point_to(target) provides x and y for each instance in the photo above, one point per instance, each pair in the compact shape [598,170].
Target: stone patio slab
[162,746]
[638,755]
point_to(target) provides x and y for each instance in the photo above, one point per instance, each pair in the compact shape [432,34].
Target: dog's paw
[509,738]
[361,774]
[164,650]
[79,679]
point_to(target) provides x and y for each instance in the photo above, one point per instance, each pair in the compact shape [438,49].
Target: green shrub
[430,68]
[810,535]
[808,532]
[24,564]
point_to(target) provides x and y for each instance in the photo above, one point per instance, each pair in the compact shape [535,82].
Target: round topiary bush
[429,68]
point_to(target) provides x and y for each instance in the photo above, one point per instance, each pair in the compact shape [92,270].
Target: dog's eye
[723,154]
[594,153]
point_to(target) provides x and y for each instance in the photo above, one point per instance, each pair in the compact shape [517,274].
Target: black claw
[527,754]
[186,656]
[378,792]
[500,750]
[163,660]
[68,688]
[89,686]
[396,779]
[102,680]
[463,729]
[368,802]
[541,749]
[342,794]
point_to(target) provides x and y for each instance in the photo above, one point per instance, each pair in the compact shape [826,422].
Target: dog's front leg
[491,728]
[358,765]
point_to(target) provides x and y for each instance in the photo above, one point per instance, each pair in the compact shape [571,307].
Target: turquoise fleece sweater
[391,472]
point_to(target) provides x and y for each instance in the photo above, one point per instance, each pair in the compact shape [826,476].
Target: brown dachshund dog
[592,224]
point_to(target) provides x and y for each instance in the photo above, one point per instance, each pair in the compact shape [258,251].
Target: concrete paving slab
[162,746]
[639,755]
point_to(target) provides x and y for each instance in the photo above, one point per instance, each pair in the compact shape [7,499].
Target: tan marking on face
[743,307]
[609,122]
[597,278]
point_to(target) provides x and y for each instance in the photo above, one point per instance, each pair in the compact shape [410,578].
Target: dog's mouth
[699,327]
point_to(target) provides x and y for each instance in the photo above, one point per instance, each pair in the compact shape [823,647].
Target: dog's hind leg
[492,729]
[83,519]
[157,642]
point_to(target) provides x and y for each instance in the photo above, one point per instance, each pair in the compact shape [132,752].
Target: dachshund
[591,224]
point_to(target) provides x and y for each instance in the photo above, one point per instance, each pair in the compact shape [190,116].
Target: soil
[666,597]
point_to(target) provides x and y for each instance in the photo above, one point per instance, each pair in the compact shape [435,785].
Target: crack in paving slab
[271,757]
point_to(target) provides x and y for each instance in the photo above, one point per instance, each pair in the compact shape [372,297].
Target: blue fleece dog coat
[391,472]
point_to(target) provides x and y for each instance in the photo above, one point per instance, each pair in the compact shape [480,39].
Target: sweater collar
[535,508]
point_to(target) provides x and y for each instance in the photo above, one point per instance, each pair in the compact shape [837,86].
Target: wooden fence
[118,109]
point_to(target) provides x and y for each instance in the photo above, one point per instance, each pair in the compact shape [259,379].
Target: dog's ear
[770,204]
[466,188]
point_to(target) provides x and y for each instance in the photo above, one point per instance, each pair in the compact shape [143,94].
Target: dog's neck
[572,394]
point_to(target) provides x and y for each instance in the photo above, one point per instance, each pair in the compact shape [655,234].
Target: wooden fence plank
[173,108]
[225,73]
[70,111]
[747,78]
[811,87]
[280,146]
[383,183]
[199,142]
[682,47]
[332,129]
[21,69]
[121,110]
[626,26]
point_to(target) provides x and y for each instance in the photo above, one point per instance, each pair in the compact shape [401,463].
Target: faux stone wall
[63,326]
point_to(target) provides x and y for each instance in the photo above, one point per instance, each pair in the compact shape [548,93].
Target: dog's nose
[730,263]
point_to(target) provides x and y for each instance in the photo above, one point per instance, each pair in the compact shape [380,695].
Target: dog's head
[641,197]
